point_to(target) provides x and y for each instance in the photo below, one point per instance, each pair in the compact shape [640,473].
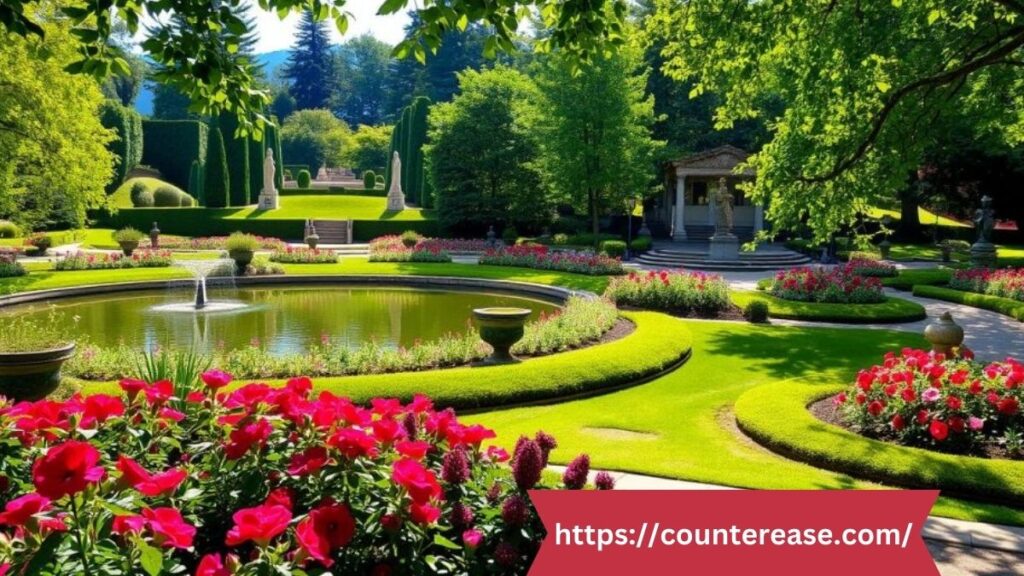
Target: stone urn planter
[32,375]
[312,240]
[944,334]
[501,328]
[129,246]
[242,259]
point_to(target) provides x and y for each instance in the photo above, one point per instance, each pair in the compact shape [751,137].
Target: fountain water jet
[201,269]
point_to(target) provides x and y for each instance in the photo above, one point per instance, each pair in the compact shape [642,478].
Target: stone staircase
[333,231]
[695,256]
[702,232]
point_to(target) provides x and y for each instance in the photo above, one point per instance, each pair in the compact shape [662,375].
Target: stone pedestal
[724,247]
[983,255]
[268,201]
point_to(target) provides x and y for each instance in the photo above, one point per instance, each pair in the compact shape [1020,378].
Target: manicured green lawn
[42,277]
[335,207]
[892,310]
[680,425]
[927,217]
[1009,254]
[907,279]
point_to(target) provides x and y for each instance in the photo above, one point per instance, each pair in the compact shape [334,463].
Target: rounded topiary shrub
[641,244]
[510,235]
[166,197]
[369,180]
[303,179]
[380,180]
[9,229]
[756,311]
[614,248]
[187,201]
[141,195]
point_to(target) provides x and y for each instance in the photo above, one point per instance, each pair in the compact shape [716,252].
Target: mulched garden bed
[825,411]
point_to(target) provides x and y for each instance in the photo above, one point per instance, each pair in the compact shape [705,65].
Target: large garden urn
[242,259]
[944,334]
[32,375]
[128,247]
[501,328]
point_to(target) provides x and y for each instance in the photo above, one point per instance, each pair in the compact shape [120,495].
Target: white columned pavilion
[696,176]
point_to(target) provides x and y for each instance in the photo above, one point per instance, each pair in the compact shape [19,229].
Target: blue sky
[276,34]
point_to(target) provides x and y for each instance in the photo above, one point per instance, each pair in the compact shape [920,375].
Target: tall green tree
[368,149]
[54,162]
[483,155]
[361,70]
[310,66]
[866,87]
[596,130]
[315,138]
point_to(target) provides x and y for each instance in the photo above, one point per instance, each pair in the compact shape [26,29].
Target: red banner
[852,532]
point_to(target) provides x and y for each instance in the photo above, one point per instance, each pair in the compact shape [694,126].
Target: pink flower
[308,462]
[472,538]
[975,423]
[20,510]
[67,468]
[931,395]
[325,529]
[169,529]
[420,483]
[212,565]
[216,379]
[260,524]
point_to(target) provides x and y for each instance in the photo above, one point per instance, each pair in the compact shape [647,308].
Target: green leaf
[152,559]
[934,15]
[446,543]
[882,86]
[45,553]
[391,6]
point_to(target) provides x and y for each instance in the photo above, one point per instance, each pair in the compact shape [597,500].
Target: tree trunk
[910,220]
[595,222]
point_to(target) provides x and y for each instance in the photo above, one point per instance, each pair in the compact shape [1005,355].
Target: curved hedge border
[1006,306]
[776,416]
[908,278]
[893,310]
[588,371]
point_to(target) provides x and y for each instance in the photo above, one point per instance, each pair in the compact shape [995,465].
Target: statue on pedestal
[723,209]
[983,251]
[396,198]
[268,199]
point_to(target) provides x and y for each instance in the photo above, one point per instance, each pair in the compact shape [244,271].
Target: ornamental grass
[671,291]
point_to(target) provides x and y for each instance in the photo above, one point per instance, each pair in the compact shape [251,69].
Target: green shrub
[510,235]
[588,239]
[613,248]
[141,195]
[860,255]
[171,146]
[288,175]
[128,234]
[236,151]
[242,242]
[195,182]
[166,197]
[11,269]
[303,179]
[961,246]
[40,241]
[410,238]
[186,201]
[756,311]
[9,229]
[641,244]
[215,171]
[369,180]
[380,180]
[560,239]
[127,142]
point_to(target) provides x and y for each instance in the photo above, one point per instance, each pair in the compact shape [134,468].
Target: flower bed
[213,243]
[581,322]
[302,255]
[457,244]
[953,404]
[872,268]
[1004,283]
[169,480]
[838,285]
[391,249]
[537,256]
[108,261]
[677,292]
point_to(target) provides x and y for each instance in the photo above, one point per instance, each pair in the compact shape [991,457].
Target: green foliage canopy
[315,138]
[866,86]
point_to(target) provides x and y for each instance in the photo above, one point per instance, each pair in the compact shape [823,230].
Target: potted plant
[128,239]
[242,248]
[947,247]
[32,352]
[410,239]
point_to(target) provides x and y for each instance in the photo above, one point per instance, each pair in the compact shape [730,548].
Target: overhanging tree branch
[1014,39]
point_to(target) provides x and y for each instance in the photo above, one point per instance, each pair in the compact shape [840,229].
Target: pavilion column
[758,218]
[679,222]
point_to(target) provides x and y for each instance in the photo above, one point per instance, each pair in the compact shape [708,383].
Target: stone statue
[268,196]
[396,198]
[723,209]
[984,221]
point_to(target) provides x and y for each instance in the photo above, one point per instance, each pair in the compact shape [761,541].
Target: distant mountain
[271,62]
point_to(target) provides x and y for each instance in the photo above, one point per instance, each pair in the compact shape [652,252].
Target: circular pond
[283,320]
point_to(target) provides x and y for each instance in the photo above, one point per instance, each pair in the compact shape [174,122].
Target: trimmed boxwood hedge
[376,192]
[205,222]
[776,416]
[665,341]
[891,311]
[171,146]
[127,142]
[1007,306]
[907,279]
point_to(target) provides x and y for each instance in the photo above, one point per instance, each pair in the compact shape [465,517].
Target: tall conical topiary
[195,183]
[408,138]
[216,179]
[237,154]
[257,150]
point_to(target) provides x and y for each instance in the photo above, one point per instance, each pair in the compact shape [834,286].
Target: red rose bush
[203,481]
[839,285]
[1004,283]
[871,267]
[952,404]
[537,256]
[392,249]
[680,292]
